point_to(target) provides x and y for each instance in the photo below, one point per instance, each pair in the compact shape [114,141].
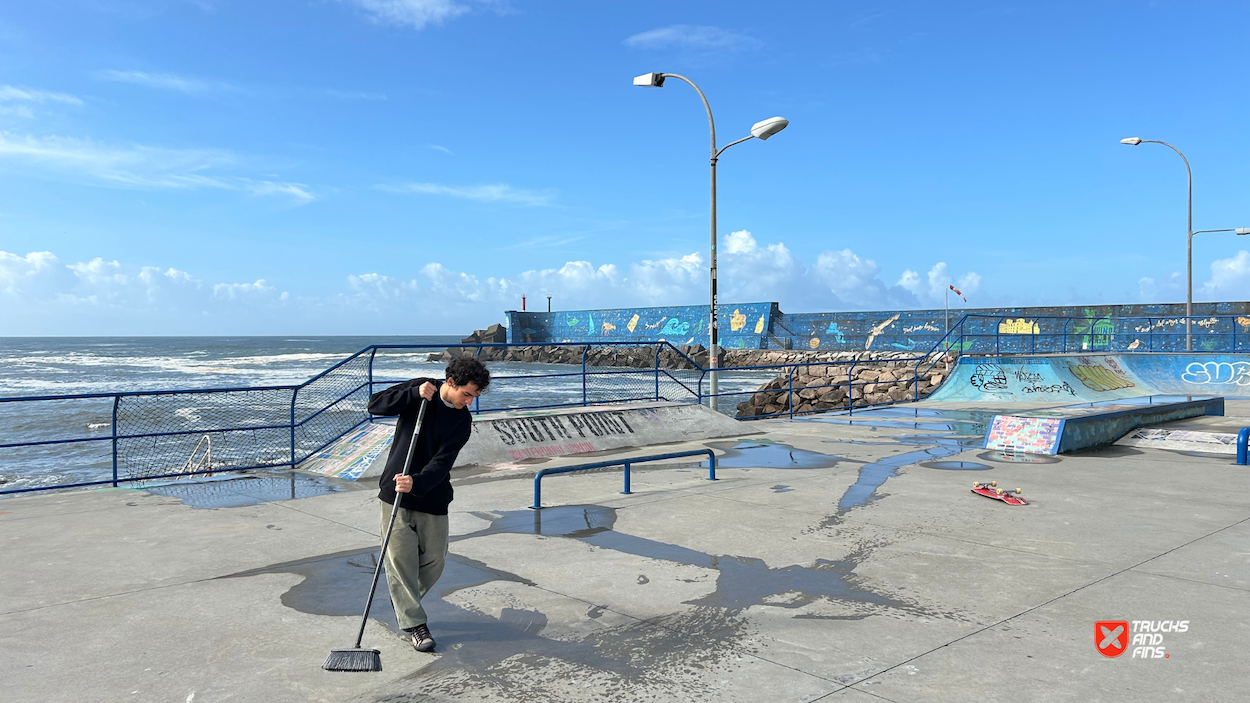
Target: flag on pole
[958,293]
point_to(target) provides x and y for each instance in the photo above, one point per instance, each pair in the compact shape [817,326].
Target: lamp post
[1189,238]
[760,130]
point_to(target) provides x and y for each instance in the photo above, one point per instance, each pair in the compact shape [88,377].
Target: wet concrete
[690,590]
[1018,458]
[236,492]
[741,582]
[955,465]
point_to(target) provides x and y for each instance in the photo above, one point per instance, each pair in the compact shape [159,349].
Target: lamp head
[650,80]
[1131,141]
[1242,230]
[767,128]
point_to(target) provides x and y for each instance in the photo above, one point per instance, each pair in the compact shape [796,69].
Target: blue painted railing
[538,477]
[266,427]
[276,426]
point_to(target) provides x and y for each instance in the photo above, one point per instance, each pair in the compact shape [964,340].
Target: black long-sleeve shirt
[443,433]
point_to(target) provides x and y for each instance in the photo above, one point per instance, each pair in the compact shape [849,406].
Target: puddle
[972,423]
[955,431]
[742,581]
[955,465]
[236,492]
[1017,458]
[769,455]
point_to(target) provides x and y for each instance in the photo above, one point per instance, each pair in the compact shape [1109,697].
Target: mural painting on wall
[676,327]
[832,329]
[1018,326]
[737,321]
[1099,378]
[759,325]
[876,331]
[633,323]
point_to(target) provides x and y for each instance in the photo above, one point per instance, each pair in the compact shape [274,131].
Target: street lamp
[760,130]
[1189,229]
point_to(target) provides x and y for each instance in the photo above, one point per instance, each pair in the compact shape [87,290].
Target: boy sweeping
[418,544]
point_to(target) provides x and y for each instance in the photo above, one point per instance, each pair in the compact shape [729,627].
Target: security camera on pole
[760,130]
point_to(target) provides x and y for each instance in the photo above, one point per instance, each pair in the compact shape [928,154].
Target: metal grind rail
[538,477]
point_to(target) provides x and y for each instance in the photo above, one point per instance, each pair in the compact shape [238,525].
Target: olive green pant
[414,560]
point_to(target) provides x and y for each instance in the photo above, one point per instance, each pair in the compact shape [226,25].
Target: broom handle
[377,571]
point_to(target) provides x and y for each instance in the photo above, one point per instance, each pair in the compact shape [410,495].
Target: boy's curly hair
[466,369]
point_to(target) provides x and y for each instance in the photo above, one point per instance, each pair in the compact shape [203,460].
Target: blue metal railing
[538,477]
[324,408]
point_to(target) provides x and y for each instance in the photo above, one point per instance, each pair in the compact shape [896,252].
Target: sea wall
[765,326]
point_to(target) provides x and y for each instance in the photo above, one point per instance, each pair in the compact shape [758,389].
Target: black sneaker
[421,639]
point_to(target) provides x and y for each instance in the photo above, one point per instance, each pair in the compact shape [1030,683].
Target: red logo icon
[1111,637]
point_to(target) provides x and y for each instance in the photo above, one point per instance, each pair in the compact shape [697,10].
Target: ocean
[89,365]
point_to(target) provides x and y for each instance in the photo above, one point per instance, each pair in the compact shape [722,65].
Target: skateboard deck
[991,490]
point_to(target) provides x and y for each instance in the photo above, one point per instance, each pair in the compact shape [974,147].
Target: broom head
[354,659]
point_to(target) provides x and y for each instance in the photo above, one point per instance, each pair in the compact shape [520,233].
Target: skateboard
[991,490]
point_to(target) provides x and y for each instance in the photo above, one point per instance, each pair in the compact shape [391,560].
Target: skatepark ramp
[1094,377]
[515,436]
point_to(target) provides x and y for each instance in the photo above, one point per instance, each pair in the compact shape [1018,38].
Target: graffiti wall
[1007,330]
[740,326]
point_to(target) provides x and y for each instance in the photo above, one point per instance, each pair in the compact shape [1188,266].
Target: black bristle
[354,659]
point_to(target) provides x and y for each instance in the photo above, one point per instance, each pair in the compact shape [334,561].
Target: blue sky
[414,166]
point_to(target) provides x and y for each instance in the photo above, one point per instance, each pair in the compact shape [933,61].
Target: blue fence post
[626,491]
[294,395]
[657,373]
[711,463]
[372,353]
[1242,437]
[116,400]
[538,490]
[850,388]
[585,351]
[790,390]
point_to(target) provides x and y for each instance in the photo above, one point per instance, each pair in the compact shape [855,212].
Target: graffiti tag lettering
[1053,388]
[1218,372]
[989,377]
[527,430]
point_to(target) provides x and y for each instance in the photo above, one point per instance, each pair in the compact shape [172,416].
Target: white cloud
[167,81]
[411,13]
[443,149]
[1230,278]
[103,295]
[10,93]
[691,36]
[1167,290]
[933,288]
[298,191]
[497,192]
[135,167]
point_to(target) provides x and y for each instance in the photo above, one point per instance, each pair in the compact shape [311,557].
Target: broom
[355,658]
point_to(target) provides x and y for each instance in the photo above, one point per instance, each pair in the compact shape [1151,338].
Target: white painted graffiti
[1221,372]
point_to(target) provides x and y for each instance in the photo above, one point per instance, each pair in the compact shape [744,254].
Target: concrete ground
[825,564]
